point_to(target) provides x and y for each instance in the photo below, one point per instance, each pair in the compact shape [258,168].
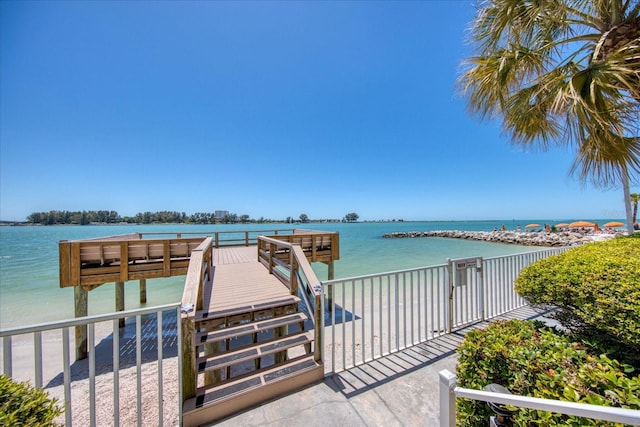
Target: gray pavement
[397,390]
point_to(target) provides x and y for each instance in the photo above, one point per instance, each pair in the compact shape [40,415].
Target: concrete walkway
[397,390]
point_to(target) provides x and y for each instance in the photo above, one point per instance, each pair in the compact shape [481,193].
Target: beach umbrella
[581,224]
[614,224]
[532,226]
[562,224]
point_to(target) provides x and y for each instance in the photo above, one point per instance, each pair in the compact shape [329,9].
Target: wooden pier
[244,337]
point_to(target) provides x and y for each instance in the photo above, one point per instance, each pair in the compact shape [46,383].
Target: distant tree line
[161,217]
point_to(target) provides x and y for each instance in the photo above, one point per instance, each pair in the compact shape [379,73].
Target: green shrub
[23,405]
[596,290]
[529,359]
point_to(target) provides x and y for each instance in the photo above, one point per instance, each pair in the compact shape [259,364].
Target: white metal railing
[449,392]
[371,316]
[499,274]
[368,317]
[84,388]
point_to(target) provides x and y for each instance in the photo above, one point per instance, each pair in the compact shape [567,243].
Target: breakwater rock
[525,238]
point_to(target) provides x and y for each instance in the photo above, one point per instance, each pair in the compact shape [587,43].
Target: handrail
[449,392]
[291,258]
[199,275]
[321,246]
[248,237]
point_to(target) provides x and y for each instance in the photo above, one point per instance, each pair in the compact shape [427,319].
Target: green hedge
[23,405]
[529,359]
[596,289]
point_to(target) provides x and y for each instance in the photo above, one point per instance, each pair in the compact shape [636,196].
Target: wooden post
[213,377]
[279,332]
[81,302]
[189,379]
[120,301]
[143,291]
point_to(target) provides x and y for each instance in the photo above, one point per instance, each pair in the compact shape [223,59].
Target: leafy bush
[23,405]
[596,290]
[529,359]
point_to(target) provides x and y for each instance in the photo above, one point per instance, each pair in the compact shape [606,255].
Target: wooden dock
[244,334]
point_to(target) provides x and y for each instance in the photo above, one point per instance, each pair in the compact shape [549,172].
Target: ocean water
[29,280]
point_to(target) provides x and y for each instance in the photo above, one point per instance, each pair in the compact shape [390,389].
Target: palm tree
[562,72]
[635,198]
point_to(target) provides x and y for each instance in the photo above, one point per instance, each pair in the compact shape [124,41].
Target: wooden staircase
[248,355]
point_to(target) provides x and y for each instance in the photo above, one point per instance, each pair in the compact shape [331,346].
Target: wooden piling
[120,301]
[143,291]
[81,303]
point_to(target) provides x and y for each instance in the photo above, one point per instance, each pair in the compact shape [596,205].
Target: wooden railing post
[272,250]
[189,380]
[294,274]
[319,345]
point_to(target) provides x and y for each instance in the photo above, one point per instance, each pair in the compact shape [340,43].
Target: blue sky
[270,109]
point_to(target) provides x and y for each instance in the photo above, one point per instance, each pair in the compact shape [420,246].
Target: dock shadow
[79,369]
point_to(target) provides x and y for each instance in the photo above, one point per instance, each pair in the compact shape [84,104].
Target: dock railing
[288,262]
[449,392]
[226,238]
[91,389]
[368,317]
[199,276]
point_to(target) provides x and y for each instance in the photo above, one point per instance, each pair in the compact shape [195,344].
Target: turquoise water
[29,284]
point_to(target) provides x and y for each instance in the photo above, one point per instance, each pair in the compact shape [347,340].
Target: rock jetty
[525,238]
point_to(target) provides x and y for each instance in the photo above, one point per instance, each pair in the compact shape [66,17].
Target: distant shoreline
[319,221]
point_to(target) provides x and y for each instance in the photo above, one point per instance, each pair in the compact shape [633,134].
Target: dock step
[243,314]
[235,357]
[218,401]
[248,328]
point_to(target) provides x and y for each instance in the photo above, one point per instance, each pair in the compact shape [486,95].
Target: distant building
[221,214]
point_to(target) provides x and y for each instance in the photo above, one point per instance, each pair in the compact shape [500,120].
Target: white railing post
[480,287]
[7,368]
[450,290]
[447,399]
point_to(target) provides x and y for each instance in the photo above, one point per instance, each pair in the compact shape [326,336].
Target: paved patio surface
[397,390]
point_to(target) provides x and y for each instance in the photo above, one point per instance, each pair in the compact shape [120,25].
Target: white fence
[371,316]
[449,392]
[130,377]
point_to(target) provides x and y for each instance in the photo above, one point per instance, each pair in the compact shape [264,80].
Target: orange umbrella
[614,224]
[562,224]
[532,226]
[581,224]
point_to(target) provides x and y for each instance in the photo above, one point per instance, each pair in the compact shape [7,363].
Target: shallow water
[29,283]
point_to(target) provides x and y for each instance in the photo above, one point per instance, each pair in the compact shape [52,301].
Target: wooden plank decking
[239,280]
